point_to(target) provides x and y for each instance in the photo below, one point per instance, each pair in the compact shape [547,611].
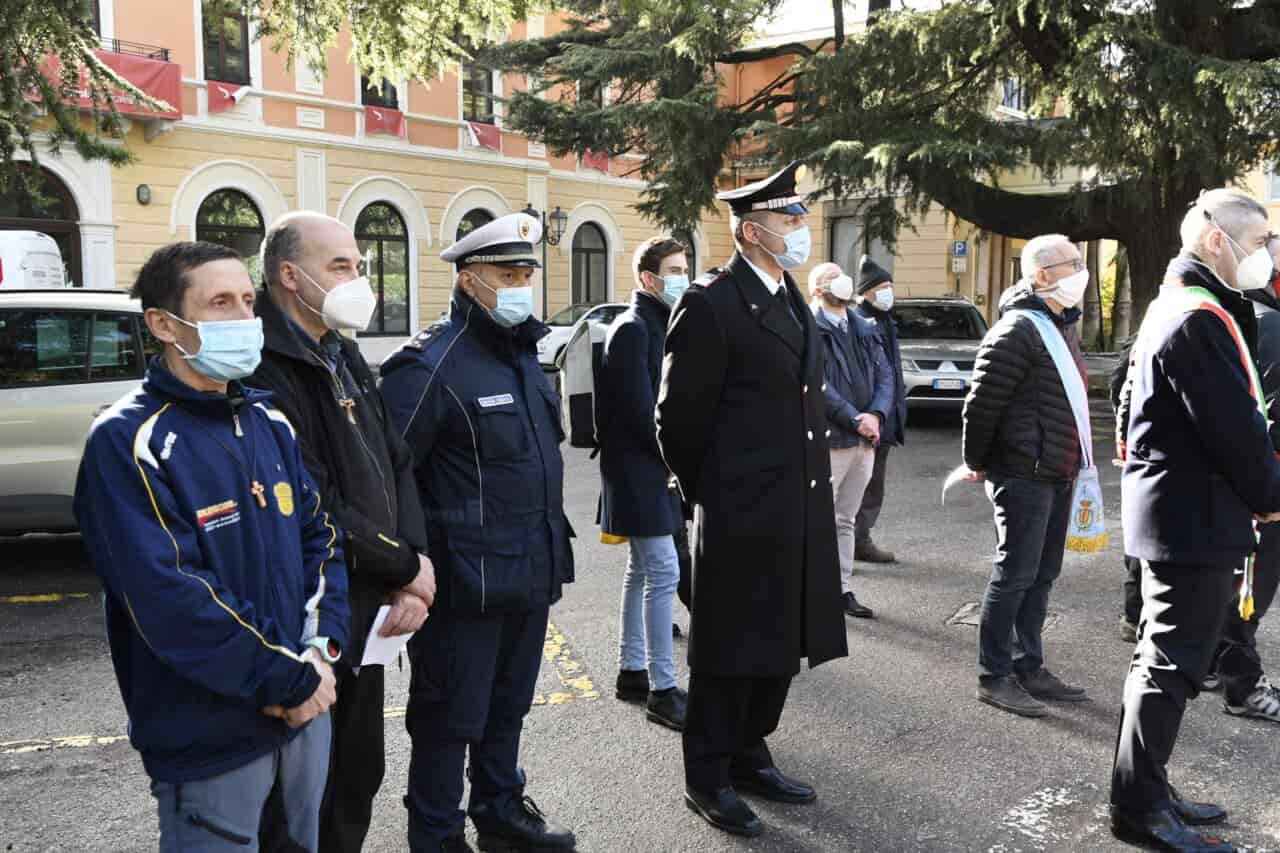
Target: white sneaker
[1263,703]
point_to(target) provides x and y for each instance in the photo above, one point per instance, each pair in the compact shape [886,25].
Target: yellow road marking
[573,677]
[575,683]
[43,598]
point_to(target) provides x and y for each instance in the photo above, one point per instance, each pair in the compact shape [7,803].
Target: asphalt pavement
[903,756]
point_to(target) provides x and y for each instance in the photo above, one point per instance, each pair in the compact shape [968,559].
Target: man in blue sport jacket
[225,588]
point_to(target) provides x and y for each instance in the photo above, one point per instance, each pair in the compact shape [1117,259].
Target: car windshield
[939,322]
[607,314]
[568,316]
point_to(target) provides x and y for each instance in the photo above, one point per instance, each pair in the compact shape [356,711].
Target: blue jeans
[1031,533]
[222,814]
[648,594]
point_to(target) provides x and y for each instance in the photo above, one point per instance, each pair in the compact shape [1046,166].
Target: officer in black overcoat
[741,424]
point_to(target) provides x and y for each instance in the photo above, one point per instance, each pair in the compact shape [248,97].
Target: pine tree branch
[741,57]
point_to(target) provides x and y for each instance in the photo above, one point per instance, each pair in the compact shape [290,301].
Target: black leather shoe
[455,844]
[771,784]
[856,610]
[724,810]
[1163,830]
[1193,813]
[668,708]
[632,685]
[522,827]
[866,551]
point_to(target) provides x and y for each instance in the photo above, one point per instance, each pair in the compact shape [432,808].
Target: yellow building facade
[410,167]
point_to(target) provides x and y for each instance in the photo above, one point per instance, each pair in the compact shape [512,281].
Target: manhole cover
[971,614]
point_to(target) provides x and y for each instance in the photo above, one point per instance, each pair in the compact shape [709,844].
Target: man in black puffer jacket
[1020,435]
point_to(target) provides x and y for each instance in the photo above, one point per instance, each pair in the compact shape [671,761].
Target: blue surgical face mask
[229,349]
[515,304]
[798,244]
[673,287]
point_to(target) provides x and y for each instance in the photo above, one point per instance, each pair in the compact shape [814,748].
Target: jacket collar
[1190,271]
[826,325]
[765,307]
[283,336]
[465,311]
[651,308]
[162,384]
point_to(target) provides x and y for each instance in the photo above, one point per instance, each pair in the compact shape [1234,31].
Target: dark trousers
[684,589]
[357,761]
[1183,606]
[1238,661]
[473,681]
[728,720]
[1031,533]
[873,497]
[1132,589]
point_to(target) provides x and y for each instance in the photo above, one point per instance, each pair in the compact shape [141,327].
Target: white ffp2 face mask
[350,305]
[1255,271]
[1069,291]
[841,287]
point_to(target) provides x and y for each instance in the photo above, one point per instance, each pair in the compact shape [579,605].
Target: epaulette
[710,277]
[420,340]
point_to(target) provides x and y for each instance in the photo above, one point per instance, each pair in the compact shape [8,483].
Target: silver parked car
[939,340]
[65,356]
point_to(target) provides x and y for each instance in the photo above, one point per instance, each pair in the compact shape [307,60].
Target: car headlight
[910,365]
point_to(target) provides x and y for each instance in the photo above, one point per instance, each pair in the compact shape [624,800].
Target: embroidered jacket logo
[216,517]
[284,497]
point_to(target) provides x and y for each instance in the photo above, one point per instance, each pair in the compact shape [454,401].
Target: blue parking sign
[959,248]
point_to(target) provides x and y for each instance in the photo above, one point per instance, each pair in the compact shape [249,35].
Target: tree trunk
[837,13]
[1091,325]
[1150,243]
[1121,307]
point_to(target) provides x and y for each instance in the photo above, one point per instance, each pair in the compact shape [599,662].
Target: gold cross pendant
[257,489]
[350,405]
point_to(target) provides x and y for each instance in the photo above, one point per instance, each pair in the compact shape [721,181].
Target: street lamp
[552,231]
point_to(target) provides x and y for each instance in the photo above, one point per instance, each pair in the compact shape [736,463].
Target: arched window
[590,265]
[474,218]
[384,241]
[231,219]
[48,208]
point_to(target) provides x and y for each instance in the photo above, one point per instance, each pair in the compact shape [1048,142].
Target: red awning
[157,78]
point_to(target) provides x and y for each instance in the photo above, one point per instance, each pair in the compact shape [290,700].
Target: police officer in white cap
[470,398]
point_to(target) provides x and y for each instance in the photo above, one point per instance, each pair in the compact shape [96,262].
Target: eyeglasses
[1076,265]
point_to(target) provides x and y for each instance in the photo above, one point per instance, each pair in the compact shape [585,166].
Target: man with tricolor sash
[1200,468]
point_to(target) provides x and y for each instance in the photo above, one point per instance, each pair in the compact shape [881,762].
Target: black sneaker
[1007,694]
[668,708]
[523,827]
[632,685]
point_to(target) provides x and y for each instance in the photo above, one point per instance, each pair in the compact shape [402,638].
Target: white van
[30,260]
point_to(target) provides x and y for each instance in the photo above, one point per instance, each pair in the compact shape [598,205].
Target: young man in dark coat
[635,501]
[1246,691]
[1020,435]
[1200,468]
[315,288]
[859,389]
[742,425]
[875,299]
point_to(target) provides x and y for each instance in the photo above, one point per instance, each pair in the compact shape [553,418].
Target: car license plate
[948,384]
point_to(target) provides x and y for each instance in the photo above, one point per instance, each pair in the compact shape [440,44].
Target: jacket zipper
[475,453]
[342,394]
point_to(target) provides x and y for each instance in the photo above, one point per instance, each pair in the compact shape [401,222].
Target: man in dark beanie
[875,298]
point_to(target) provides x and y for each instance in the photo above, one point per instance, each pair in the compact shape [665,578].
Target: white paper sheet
[956,476]
[380,650]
